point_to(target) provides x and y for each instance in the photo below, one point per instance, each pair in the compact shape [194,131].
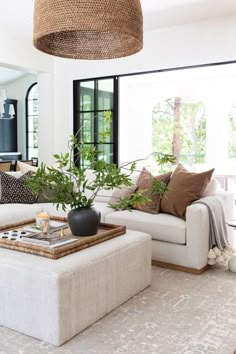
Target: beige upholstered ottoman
[54,300]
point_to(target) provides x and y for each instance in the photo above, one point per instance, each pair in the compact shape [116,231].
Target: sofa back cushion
[25,167]
[183,189]
[211,188]
[105,195]
[121,193]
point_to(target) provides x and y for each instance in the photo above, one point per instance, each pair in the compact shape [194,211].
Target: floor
[179,313]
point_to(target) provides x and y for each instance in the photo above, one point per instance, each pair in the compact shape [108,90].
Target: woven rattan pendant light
[88,29]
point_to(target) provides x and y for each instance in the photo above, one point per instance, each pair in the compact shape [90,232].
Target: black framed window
[93,98]
[31,102]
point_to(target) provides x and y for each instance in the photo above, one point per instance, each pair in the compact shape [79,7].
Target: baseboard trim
[180,268]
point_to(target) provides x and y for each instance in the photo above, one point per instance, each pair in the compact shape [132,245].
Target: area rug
[179,313]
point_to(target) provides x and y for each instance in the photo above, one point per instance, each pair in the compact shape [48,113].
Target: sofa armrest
[197,234]
[197,228]
[227,199]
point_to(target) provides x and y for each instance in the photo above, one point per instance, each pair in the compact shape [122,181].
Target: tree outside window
[179,127]
[232,133]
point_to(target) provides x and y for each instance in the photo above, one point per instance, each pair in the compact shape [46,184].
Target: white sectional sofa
[176,243]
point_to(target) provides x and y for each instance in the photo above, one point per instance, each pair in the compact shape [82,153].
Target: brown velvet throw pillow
[144,183]
[183,189]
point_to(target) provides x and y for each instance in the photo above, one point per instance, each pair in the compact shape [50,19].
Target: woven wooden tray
[105,232]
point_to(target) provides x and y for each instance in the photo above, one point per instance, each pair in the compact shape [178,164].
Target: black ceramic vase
[84,221]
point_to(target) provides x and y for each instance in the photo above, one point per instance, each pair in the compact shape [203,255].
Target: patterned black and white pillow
[14,190]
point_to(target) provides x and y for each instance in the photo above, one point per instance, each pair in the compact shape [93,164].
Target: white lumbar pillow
[16,174]
[24,167]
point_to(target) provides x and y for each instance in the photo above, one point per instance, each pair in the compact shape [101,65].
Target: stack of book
[53,238]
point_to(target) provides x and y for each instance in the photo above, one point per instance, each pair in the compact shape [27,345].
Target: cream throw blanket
[219,248]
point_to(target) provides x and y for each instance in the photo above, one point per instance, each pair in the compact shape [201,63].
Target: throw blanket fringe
[219,247]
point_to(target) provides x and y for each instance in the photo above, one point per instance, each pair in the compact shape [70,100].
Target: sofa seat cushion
[162,227]
[12,213]
[104,209]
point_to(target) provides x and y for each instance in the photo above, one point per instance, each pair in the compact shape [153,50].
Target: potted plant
[65,184]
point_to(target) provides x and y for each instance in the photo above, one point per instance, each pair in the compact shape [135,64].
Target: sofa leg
[180,268]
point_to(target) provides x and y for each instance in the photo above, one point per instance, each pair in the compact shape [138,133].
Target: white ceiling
[16,15]
[9,75]
[165,13]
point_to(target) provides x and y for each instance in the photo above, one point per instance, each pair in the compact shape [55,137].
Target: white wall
[135,121]
[17,90]
[47,119]
[190,44]
[22,55]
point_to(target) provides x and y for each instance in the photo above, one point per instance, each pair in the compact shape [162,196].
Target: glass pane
[86,100]
[87,84]
[32,152]
[106,85]
[87,127]
[32,107]
[32,120]
[85,164]
[33,94]
[105,152]
[87,96]
[33,124]
[105,127]
[33,140]
[105,94]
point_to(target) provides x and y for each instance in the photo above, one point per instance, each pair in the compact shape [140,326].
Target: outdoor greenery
[179,128]
[232,132]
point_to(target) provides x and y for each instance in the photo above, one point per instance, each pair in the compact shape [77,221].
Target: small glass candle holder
[45,226]
[42,220]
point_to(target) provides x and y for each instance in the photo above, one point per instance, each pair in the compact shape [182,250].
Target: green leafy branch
[67,184]
[157,186]
[127,203]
